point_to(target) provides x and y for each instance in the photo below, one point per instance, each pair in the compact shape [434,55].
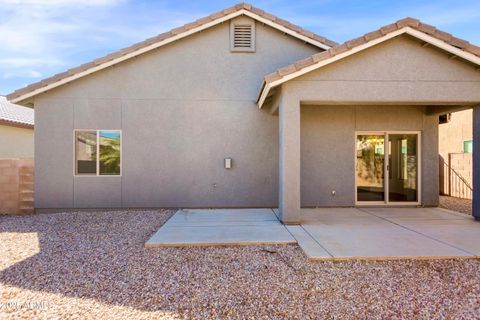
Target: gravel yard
[93,265]
[456,204]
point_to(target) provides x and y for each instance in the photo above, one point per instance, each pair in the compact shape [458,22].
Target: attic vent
[242,37]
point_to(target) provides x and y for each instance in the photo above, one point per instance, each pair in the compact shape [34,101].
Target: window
[467,146]
[242,35]
[97,152]
[444,118]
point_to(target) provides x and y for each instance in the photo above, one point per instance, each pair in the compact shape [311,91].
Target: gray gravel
[456,204]
[93,265]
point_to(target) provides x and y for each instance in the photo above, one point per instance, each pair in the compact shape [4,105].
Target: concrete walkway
[200,227]
[387,233]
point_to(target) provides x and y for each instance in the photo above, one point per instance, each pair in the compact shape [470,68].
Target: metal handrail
[461,178]
[463,188]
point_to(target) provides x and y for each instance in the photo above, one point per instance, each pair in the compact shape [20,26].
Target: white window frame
[75,174]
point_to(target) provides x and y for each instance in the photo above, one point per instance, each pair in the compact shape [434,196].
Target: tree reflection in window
[109,150]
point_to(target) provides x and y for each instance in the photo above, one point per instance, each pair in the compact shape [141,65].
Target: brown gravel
[93,265]
[456,204]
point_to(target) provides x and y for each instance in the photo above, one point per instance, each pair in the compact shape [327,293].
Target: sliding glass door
[370,168]
[402,168]
[390,179]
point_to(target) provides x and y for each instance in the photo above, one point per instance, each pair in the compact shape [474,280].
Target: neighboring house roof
[413,27]
[168,37]
[15,115]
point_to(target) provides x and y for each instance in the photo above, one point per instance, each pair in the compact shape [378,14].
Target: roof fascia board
[11,123]
[322,63]
[443,45]
[285,30]
[166,41]
[418,34]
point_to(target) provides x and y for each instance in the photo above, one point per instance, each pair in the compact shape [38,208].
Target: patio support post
[289,157]
[429,168]
[476,163]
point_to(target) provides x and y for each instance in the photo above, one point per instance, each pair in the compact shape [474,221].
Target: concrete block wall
[16,186]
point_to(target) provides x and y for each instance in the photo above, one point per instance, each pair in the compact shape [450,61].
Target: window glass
[109,152]
[468,146]
[86,152]
[370,167]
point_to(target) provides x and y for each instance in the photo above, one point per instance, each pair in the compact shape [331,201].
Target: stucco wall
[397,71]
[15,142]
[451,138]
[328,149]
[454,133]
[182,109]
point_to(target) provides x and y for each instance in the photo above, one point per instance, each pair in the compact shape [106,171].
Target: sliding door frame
[386,170]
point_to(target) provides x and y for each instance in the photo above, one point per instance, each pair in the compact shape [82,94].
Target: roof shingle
[407,22]
[15,115]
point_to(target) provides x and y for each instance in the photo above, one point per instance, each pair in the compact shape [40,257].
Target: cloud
[28,74]
[39,36]
[28,62]
[48,36]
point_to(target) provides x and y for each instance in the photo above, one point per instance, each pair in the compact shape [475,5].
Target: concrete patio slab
[456,229]
[463,234]
[222,216]
[402,214]
[336,216]
[347,233]
[311,247]
[331,233]
[221,227]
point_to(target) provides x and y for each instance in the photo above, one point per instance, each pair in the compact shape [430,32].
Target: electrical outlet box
[228,163]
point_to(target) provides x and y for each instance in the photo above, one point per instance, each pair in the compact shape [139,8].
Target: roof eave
[15,124]
[405,30]
[102,63]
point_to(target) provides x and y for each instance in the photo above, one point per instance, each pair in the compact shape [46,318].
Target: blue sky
[42,37]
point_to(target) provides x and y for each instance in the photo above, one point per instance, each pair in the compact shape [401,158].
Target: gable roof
[168,37]
[413,27]
[15,115]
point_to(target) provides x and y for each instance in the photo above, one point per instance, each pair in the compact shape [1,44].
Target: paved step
[312,249]
[221,227]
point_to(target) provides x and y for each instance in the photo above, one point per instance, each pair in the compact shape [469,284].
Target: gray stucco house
[243,109]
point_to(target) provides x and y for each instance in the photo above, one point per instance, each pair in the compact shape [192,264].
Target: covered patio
[389,87]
